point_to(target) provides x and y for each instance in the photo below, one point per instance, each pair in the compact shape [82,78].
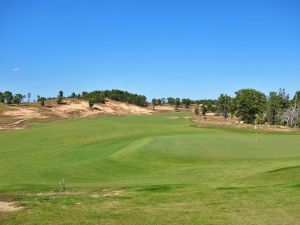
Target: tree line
[99,96]
[92,97]
[249,105]
[186,102]
[114,94]
[253,106]
[9,98]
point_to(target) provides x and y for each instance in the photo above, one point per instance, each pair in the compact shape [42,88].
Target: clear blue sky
[159,48]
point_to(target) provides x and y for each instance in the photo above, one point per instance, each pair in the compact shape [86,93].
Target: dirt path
[14,125]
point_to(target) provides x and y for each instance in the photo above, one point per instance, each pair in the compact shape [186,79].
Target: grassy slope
[149,170]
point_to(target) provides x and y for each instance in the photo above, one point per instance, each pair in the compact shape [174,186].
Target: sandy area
[164,108]
[8,207]
[82,109]
[13,117]
[122,108]
[19,112]
[212,119]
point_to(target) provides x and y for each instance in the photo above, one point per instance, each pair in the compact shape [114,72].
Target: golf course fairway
[148,169]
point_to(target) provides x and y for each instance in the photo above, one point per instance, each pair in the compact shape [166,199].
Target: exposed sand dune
[17,115]
[121,108]
[80,108]
[19,112]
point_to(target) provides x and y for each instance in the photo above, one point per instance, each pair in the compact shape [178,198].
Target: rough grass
[149,170]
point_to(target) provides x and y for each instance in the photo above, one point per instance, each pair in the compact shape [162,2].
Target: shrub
[197,111]
[59,99]
[42,100]
[203,109]
[91,103]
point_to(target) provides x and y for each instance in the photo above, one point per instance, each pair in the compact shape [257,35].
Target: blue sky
[159,48]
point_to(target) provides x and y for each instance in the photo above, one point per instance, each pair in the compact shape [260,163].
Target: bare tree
[291,115]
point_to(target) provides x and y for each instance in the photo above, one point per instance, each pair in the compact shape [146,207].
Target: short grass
[149,170]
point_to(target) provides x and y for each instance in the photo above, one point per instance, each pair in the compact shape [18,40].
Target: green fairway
[149,170]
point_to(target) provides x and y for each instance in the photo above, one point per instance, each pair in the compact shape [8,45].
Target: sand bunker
[8,207]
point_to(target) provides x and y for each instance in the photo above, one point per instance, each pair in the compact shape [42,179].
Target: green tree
[100,98]
[171,101]
[187,102]
[18,99]
[91,102]
[42,101]
[249,103]
[197,102]
[224,102]
[1,97]
[284,99]
[296,98]
[273,108]
[177,103]
[154,103]
[96,97]
[203,109]
[211,107]
[60,97]
[232,107]
[140,100]
[124,96]
[85,95]
[28,97]
[8,97]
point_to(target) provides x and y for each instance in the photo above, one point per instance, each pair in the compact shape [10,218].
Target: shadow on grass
[159,188]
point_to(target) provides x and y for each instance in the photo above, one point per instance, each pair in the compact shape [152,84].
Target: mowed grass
[149,170]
